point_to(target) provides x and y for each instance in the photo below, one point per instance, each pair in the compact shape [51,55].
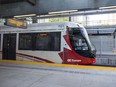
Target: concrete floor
[30,75]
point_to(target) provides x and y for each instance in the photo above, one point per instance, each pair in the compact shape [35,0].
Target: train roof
[69,24]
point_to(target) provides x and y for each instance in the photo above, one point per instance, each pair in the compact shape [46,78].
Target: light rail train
[56,42]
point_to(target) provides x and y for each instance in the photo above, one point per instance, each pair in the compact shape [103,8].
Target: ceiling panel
[9,1]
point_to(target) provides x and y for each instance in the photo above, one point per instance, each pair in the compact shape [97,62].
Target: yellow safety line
[62,65]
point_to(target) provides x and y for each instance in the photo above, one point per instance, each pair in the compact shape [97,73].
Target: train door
[9,47]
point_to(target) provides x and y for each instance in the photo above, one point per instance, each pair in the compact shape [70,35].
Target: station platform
[36,74]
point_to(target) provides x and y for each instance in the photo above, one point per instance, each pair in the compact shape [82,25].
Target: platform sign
[16,23]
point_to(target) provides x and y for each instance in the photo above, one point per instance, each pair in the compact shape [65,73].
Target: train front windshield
[81,43]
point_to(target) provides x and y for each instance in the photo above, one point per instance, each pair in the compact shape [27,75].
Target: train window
[48,41]
[79,43]
[55,41]
[40,41]
[25,42]
[73,31]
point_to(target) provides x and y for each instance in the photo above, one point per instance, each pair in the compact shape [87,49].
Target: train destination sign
[16,23]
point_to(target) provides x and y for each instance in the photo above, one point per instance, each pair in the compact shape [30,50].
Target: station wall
[104,43]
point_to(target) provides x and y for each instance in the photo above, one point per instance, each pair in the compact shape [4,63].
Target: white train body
[48,47]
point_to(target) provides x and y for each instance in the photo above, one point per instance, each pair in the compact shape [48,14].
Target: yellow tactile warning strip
[61,65]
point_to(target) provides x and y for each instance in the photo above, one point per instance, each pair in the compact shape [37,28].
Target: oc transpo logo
[73,60]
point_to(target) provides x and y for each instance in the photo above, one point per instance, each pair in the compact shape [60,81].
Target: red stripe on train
[48,61]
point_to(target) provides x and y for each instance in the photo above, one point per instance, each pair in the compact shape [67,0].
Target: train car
[56,42]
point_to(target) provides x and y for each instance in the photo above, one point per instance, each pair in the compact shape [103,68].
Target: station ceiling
[9,1]
[9,8]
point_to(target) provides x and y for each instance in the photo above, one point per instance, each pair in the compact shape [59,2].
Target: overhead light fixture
[60,12]
[29,15]
[109,7]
